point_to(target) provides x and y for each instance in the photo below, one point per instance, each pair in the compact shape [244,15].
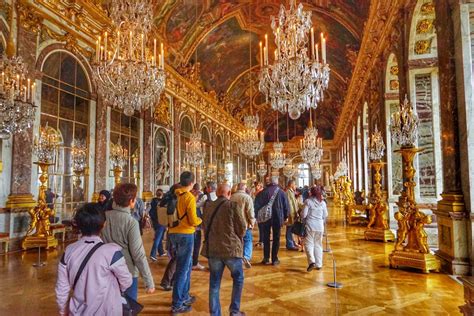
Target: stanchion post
[334,284]
[326,237]
[39,264]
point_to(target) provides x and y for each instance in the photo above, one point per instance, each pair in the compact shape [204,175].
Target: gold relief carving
[28,18]
[394,70]
[423,47]
[161,115]
[6,9]
[69,40]
[428,8]
[394,84]
[424,26]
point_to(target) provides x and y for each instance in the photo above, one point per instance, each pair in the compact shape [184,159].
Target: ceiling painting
[224,54]
[182,18]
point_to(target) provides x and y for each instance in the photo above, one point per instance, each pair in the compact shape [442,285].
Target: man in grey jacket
[224,227]
[124,230]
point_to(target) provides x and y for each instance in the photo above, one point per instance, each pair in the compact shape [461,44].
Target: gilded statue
[377,216]
[40,215]
[402,230]
[347,192]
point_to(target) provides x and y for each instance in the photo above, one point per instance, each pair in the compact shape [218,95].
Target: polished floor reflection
[369,286]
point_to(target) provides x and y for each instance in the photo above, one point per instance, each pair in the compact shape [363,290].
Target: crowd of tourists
[98,274]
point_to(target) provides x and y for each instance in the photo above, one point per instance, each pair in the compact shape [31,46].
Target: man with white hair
[273,198]
[224,227]
[245,204]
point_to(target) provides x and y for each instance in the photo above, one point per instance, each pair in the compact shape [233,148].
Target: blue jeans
[289,238]
[183,245]
[132,291]
[216,267]
[248,244]
[158,241]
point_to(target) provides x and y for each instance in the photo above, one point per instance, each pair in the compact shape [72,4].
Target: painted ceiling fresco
[217,33]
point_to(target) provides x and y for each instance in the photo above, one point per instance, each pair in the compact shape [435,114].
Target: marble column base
[15,201]
[379,234]
[452,235]
[405,259]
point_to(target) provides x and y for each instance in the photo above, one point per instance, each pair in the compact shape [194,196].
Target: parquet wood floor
[370,287]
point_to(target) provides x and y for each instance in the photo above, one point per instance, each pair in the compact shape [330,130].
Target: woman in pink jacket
[104,277]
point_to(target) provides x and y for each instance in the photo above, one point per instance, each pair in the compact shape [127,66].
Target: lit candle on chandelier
[143,46]
[118,44]
[312,42]
[261,54]
[162,56]
[131,41]
[323,48]
[266,49]
[28,89]
[154,52]
[105,45]
[98,48]
[317,53]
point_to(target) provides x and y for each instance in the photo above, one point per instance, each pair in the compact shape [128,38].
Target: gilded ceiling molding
[383,17]
[190,95]
[83,19]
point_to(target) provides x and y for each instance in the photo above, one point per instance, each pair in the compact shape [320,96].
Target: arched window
[425,100]
[125,130]
[220,158]
[186,129]
[65,102]
[206,140]
[303,175]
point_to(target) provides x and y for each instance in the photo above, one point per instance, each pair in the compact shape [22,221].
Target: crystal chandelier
[118,156]
[404,125]
[129,75]
[316,171]
[79,156]
[195,151]
[252,140]
[376,146]
[311,145]
[289,169]
[297,79]
[46,144]
[17,91]
[342,169]
[262,168]
[277,157]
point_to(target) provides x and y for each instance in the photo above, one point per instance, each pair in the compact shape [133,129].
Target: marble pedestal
[452,235]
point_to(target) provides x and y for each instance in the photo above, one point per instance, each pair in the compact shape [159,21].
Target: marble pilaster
[100,171]
[147,153]
[452,225]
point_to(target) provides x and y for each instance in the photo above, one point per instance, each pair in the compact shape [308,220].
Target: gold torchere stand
[411,246]
[117,175]
[378,228]
[39,233]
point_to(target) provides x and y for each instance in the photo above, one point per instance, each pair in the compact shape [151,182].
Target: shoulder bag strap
[270,204]
[84,262]
[185,211]
[208,228]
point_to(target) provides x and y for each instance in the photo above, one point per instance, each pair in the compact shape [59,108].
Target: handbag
[205,249]
[145,221]
[130,307]
[299,228]
[265,213]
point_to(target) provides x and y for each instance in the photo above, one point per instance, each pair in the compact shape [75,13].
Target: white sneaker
[199,267]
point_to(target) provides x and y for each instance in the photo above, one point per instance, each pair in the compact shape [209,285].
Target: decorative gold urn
[411,247]
[378,227]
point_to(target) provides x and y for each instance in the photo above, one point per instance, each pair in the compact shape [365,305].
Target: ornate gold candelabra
[118,159]
[411,246]
[39,232]
[378,228]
